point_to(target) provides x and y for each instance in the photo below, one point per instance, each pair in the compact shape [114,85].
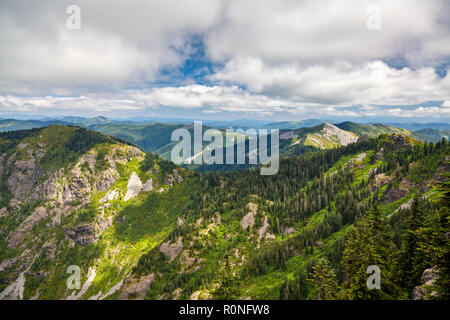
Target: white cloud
[323,31]
[119,44]
[340,83]
[224,98]
[309,57]
[208,100]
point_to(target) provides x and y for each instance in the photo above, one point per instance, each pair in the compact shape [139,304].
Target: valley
[140,227]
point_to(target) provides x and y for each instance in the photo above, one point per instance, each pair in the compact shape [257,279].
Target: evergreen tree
[324,280]
[411,261]
[369,243]
[227,284]
[284,292]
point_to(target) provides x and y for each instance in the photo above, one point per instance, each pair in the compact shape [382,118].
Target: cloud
[310,32]
[118,44]
[340,83]
[308,57]
[225,98]
[206,100]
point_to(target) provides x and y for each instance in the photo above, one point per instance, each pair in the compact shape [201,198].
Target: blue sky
[366,61]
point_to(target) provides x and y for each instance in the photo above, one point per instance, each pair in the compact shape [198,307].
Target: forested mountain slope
[140,227]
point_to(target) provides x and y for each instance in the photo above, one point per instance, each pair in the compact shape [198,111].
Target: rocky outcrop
[331,132]
[396,142]
[103,223]
[78,188]
[22,179]
[83,234]
[379,180]
[49,189]
[86,233]
[249,218]
[123,154]
[171,250]
[427,280]
[109,196]
[137,289]
[83,178]
[106,179]
[21,232]
[287,230]
[394,194]
[170,179]
[134,187]
[262,231]
[148,185]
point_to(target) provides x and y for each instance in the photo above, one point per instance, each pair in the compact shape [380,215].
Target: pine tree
[284,291]
[324,280]
[227,283]
[369,243]
[411,261]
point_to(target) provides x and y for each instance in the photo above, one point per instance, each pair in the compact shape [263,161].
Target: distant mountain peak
[330,136]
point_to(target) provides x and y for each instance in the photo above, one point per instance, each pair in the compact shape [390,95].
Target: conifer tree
[324,280]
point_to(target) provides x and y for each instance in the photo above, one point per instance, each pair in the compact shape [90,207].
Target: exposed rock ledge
[426,288]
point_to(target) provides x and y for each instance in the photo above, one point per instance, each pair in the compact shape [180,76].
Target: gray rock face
[394,194]
[148,185]
[137,289]
[21,232]
[428,276]
[287,230]
[78,189]
[83,234]
[134,186]
[249,218]
[22,179]
[109,196]
[106,179]
[104,223]
[171,250]
[170,179]
[345,137]
[47,190]
[426,287]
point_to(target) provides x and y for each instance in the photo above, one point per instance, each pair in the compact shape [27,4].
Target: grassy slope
[151,218]
[213,246]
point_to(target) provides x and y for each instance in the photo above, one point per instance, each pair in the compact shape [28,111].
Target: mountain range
[139,227]
[296,137]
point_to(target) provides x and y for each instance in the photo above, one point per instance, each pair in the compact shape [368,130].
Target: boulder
[427,280]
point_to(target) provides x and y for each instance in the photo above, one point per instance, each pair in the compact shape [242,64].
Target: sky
[275,60]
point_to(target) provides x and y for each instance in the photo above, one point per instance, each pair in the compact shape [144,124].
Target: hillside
[372,130]
[432,135]
[297,137]
[140,227]
[62,188]
[324,136]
